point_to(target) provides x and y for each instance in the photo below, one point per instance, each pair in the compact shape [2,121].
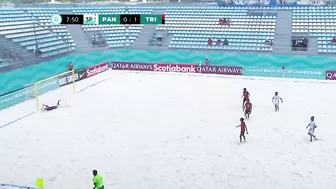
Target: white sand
[144,131]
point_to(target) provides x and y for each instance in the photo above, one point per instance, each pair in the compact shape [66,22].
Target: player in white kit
[311,126]
[276,99]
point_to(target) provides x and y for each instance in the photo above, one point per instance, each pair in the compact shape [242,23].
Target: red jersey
[70,66]
[248,106]
[242,126]
[246,94]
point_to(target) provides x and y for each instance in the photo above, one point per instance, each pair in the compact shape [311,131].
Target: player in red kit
[247,109]
[243,128]
[246,96]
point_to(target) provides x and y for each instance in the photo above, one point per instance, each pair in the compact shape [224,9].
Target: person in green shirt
[97,180]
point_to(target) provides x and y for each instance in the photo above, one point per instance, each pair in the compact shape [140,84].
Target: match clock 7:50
[67,19]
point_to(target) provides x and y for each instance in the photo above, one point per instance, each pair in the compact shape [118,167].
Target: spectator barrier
[17,79]
[307,67]
[29,92]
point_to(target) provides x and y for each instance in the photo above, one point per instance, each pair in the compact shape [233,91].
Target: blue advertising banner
[286,73]
[27,93]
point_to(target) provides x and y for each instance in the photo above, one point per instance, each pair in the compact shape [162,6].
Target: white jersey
[276,99]
[312,126]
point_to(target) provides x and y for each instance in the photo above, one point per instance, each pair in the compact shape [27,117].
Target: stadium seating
[3,63]
[116,35]
[318,22]
[192,26]
[26,27]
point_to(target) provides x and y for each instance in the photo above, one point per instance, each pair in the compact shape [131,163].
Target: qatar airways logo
[97,69]
[330,75]
[175,68]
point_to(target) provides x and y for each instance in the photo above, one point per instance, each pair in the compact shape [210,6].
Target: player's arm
[307,125]
[246,129]
[273,98]
[281,100]
[94,183]
[251,107]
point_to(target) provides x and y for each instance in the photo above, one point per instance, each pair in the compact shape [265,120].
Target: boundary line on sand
[241,77]
[94,84]
[17,186]
[18,119]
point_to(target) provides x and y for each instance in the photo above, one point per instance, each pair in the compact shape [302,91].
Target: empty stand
[115,35]
[317,22]
[31,28]
[192,26]
[188,27]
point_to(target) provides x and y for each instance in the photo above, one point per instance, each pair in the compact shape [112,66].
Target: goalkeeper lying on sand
[49,108]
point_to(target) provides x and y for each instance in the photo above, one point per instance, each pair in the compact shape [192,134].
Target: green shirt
[98,180]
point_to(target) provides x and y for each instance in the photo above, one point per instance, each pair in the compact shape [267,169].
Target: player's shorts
[242,133]
[247,112]
[51,108]
[245,99]
[311,131]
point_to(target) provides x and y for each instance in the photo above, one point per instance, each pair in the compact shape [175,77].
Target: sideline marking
[94,84]
[239,77]
[16,121]
[17,186]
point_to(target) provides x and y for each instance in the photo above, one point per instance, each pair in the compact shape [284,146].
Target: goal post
[52,83]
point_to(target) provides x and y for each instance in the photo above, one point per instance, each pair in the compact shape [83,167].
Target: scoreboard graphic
[94,19]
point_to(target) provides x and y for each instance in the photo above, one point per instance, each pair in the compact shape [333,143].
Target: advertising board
[26,93]
[286,73]
[330,75]
[131,66]
[183,68]
[67,79]
[94,70]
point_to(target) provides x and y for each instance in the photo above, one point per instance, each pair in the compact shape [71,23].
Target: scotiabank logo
[185,68]
[97,69]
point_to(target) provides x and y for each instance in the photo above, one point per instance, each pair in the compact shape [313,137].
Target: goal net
[50,84]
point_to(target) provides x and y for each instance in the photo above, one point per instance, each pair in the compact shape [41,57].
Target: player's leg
[311,136]
[244,137]
[240,137]
[58,102]
[244,100]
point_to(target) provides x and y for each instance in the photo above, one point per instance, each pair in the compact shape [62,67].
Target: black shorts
[242,133]
[247,112]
